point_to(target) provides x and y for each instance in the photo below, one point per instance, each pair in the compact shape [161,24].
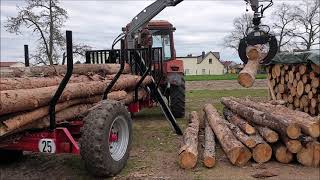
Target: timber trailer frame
[104,135]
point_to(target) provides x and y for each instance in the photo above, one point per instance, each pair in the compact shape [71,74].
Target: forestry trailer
[148,47]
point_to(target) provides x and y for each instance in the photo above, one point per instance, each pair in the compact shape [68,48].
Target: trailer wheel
[8,156]
[178,100]
[106,139]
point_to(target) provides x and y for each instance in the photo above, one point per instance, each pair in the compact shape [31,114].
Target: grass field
[218,77]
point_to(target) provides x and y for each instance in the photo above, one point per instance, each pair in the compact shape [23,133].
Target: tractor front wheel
[178,100]
[106,139]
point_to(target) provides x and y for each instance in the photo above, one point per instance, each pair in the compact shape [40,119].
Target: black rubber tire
[94,141]
[178,100]
[9,156]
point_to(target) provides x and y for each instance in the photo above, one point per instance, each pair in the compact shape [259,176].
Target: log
[188,153]
[39,82]
[313,75]
[268,134]
[209,153]
[308,124]
[315,83]
[15,100]
[307,88]
[309,155]
[25,118]
[282,153]
[83,69]
[273,97]
[262,152]
[291,76]
[275,122]
[302,69]
[236,152]
[315,68]
[241,136]
[300,88]
[238,121]
[247,75]
[293,145]
[298,76]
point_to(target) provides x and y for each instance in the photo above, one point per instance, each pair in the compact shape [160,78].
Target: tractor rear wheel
[106,139]
[178,100]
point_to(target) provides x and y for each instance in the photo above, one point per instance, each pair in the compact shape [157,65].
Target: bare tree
[283,25]
[240,25]
[46,18]
[307,18]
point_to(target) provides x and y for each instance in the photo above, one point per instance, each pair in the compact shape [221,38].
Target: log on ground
[236,152]
[238,121]
[209,153]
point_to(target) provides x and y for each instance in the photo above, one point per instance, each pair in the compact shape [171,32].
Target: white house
[205,64]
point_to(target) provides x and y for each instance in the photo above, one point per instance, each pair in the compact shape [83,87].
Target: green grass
[218,77]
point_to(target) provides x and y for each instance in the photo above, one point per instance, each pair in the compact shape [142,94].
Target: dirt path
[222,84]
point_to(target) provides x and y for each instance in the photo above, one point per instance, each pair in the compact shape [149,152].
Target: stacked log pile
[253,130]
[25,93]
[297,84]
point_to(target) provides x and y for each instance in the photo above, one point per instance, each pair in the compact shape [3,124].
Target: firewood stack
[253,130]
[26,92]
[297,84]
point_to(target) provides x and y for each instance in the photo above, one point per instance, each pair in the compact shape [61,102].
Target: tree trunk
[247,140]
[262,152]
[238,121]
[39,82]
[237,153]
[188,153]
[293,145]
[268,134]
[25,118]
[209,154]
[282,153]
[20,100]
[54,70]
[309,155]
[277,123]
[247,75]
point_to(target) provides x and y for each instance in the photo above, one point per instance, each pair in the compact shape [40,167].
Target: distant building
[231,67]
[11,64]
[205,64]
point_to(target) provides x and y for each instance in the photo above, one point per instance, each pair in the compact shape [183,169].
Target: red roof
[7,64]
[227,63]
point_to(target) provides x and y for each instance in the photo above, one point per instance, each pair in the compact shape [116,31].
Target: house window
[203,71]
[187,71]
[210,61]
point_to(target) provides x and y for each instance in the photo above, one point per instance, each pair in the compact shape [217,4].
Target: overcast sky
[201,25]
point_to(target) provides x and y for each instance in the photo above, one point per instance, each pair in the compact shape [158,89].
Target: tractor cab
[162,37]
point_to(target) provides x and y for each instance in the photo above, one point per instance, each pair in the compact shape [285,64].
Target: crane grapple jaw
[258,37]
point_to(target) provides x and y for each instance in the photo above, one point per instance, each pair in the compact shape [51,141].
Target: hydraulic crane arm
[154,9]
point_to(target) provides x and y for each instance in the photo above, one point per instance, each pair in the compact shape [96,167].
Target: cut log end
[294,146]
[209,162]
[283,155]
[250,130]
[262,153]
[293,131]
[187,160]
[239,156]
[246,80]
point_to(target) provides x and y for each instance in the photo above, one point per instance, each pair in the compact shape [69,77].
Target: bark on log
[25,118]
[247,75]
[237,153]
[39,82]
[15,100]
[274,122]
[241,136]
[282,153]
[83,69]
[209,153]
[308,124]
[268,134]
[238,121]
[188,154]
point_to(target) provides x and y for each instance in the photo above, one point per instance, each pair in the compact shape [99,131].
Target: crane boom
[154,9]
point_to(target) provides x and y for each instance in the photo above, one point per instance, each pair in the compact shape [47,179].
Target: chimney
[203,54]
